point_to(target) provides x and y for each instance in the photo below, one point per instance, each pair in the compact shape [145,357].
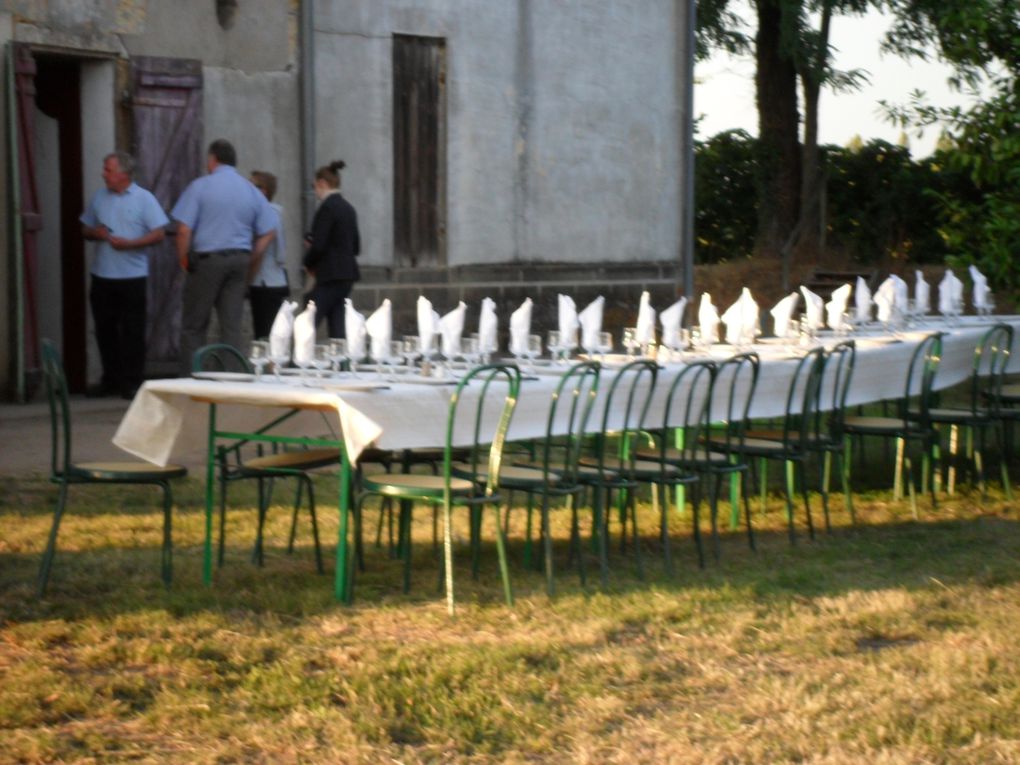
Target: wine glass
[258,356]
[470,350]
[409,349]
[337,350]
[534,350]
[392,355]
[629,341]
[554,344]
[280,356]
[605,344]
[321,359]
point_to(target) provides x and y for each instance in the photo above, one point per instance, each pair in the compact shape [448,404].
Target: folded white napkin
[862,299]
[380,330]
[428,325]
[354,328]
[644,331]
[282,331]
[591,323]
[885,299]
[488,325]
[741,319]
[950,294]
[981,291]
[708,319]
[836,306]
[922,294]
[782,313]
[670,319]
[813,308]
[451,327]
[568,322]
[901,294]
[304,336]
[520,328]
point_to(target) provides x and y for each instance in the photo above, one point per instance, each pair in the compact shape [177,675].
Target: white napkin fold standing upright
[862,300]
[488,327]
[428,325]
[885,300]
[282,331]
[379,327]
[836,306]
[644,328]
[567,320]
[814,307]
[670,319]
[304,336]
[520,328]
[901,294]
[591,323]
[451,327]
[950,294]
[708,320]
[922,294]
[782,313]
[981,291]
[741,319]
[354,328]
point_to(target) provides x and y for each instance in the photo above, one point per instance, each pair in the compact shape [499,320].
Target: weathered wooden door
[166,110]
[419,150]
[27,225]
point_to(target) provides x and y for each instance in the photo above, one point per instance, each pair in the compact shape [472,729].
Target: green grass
[892,642]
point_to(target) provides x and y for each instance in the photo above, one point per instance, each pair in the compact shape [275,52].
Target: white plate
[224,376]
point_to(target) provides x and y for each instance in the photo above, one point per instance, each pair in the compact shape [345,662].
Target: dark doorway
[58,88]
[419,150]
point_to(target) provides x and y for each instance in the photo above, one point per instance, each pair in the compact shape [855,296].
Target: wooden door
[27,225]
[166,112]
[419,150]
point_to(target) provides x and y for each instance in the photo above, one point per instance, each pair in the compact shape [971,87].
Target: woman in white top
[269,287]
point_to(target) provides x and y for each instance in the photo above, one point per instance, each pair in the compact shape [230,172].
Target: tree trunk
[809,239]
[780,159]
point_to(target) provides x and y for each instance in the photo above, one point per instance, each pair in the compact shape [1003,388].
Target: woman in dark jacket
[332,247]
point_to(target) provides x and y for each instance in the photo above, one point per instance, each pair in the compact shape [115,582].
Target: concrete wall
[7,286]
[562,123]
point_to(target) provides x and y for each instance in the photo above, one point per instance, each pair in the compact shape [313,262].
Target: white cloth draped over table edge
[164,419]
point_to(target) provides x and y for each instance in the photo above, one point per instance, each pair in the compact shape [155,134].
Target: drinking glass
[337,349]
[321,359]
[470,350]
[258,356]
[554,345]
[280,359]
[534,350]
[629,341]
[605,344]
[409,349]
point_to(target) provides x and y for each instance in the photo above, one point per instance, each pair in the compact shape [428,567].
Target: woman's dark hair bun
[337,165]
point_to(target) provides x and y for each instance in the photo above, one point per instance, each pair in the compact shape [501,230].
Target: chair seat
[647,469]
[125,471]
[1010,393]
[510,476]
[412,485]
[882,425]
[584,472]
[697,455]
[299,459]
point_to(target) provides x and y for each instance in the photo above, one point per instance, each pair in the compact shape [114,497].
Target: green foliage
[725,214]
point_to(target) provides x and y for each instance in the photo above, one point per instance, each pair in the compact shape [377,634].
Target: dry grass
[890,643]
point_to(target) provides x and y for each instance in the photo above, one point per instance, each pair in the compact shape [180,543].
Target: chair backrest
[924,363]
[838,374]
[483,432]
[991,357]
[802,423]
[623,415]
[688,404]
[60,410]
[567,423]
[219,357]
[733,387]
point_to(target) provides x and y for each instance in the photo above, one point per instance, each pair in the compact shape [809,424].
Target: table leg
[342,590]
[209,479]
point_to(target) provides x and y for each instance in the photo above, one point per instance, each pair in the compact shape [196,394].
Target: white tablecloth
[168,416]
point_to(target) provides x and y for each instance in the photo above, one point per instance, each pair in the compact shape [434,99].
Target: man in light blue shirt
[224,225]
[125,220]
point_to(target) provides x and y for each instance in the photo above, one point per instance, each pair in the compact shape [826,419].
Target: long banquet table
[170,415]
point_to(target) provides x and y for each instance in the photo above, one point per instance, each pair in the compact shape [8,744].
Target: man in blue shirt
[224,225]
[125,220]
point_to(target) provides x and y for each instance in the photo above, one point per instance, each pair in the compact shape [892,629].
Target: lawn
[891,642]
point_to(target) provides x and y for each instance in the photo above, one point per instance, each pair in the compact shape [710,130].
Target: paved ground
[25,434]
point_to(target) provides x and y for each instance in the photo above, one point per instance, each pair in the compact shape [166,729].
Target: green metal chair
[486,431]
[235,464]
[838,375]
[912,423]
[556,471]
[65,472]
[613,465]
[984,409]
[685,425]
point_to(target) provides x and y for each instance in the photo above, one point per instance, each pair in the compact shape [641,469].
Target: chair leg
[747,518]
[954,447]
[223,520]
[898,476]
[789,470]
[359,552]
[1003,464]
[825,475]
[600,523]
[696,520]
[257,553]
[632,505]
[664,527]
[294,514]
[801,470]
[714,515]
[51,543]
[527,528]
[447,555]
[845,458]
[167,567]
[547,545]
[504,570]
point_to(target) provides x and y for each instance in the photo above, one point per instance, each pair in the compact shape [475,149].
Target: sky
[724,89]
